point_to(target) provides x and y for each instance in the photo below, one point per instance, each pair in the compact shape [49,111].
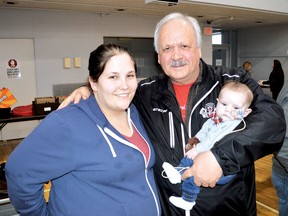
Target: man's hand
[82,92]
[205,169]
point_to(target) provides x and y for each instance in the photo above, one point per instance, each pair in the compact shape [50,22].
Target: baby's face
[231,105]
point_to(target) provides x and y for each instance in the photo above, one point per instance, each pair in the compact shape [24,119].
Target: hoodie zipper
[116,137]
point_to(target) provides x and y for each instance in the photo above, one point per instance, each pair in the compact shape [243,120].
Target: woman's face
[116,86]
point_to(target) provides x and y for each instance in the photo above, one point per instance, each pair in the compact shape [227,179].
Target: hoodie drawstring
[172,134]
[108,141]
[183,138]
[171,129]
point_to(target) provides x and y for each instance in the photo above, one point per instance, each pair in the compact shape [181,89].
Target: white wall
[23,87]
[59,34]
[63,34]
[265,5]
[261,46]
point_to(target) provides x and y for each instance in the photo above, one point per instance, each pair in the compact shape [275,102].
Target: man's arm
[264,134]
[82,92]
[206,170]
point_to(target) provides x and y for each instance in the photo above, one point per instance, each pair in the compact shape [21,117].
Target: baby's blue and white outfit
[210,133]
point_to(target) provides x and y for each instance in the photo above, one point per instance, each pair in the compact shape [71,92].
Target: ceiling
[218,16]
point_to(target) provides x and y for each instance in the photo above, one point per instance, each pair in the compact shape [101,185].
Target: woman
[96,153]
[276,79]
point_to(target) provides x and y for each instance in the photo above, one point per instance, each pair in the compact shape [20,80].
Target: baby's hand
[192,153]
[192,142]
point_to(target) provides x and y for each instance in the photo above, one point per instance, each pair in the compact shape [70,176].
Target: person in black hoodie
[173,107]
[276,79]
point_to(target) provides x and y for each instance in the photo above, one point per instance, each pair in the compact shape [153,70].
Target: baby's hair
[237,86]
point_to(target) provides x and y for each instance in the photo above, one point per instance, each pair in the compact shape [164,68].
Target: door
[221,55]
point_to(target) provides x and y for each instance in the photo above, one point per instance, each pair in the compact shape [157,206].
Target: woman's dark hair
[277,65]
[100,56]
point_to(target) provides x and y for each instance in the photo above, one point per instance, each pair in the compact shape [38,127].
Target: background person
[276,79]
[280,160]
[231,109]
[247,65]
[96,153]
[170,106]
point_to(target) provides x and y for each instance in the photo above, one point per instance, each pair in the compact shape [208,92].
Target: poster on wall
[13,69]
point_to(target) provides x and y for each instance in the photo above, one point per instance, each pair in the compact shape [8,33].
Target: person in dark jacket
[96,153]
[280,160]
[170,106]
[276,79]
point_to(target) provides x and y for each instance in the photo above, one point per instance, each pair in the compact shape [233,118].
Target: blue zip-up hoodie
[94,170]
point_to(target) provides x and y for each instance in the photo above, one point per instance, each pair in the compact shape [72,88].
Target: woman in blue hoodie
[96,154]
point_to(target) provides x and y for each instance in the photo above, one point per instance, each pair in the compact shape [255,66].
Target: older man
[175,105]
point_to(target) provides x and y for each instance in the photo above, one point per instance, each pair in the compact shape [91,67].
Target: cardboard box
[44,108]
[41,100]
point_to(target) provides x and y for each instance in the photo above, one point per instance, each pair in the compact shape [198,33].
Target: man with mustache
[174,106]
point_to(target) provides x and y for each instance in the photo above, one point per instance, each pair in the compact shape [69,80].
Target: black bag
[3,182]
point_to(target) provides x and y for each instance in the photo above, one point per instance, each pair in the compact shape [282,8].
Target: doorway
[221,55]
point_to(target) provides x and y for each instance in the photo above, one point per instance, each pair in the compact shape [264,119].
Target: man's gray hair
[177,16]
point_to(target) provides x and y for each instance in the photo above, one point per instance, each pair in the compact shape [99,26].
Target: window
[217,38]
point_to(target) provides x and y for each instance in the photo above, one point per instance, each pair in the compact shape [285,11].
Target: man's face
[178,52]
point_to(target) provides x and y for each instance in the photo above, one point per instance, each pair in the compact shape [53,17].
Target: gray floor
[7,210]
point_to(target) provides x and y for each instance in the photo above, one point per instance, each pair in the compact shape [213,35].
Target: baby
[231,109]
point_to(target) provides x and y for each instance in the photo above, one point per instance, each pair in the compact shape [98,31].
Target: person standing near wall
[247,65]
[280,160]
[276,79]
